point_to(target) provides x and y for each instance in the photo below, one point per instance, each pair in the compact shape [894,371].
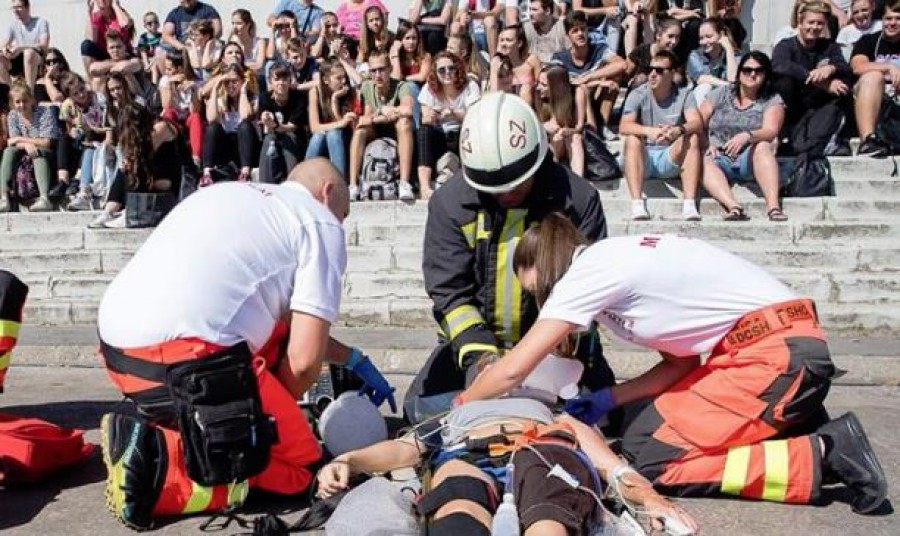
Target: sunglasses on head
[659,70]
[752,70]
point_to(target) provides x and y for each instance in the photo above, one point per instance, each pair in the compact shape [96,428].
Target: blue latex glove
[591,407]
[376,386]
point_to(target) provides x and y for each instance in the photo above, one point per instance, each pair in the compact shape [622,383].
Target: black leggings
[220,147]
[434,142]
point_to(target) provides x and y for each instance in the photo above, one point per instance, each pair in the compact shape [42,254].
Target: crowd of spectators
[227,96]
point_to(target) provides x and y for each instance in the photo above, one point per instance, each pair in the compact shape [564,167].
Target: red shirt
[101,24]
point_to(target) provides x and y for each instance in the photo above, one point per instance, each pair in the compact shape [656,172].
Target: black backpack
[888,126]
[811,174]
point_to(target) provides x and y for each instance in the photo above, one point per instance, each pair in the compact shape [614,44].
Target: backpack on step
[888,125]
[380,171]
[811,174]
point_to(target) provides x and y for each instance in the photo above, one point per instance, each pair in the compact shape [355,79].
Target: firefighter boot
[850,457]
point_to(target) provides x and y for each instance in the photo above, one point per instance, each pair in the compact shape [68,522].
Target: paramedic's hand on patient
[333,478]
[376,386]
[591,407]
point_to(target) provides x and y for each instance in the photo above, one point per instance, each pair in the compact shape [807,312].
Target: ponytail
[548,247]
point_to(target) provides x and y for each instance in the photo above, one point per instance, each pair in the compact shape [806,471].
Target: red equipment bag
[31,450]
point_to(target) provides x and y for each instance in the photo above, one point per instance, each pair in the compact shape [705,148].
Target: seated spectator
[33,131]
[444,100]
[526,66]
[284,28]
[23,44]
[230,135]
[243,32]
[304,70]
[477,68]
[387,113]
[478,19]
[835,19]
[148,164]
[374,34]
[346,51]
[82,116]
[283,114]
[861,23]
[409,61]
[204,49]
[604,20]
[661,130]
[46,89]
[105,16]
[876,61]
[638,23]
[149,45]
[666,37]
[715,62]
[691,14]
[326,44]
[563,109]
[432,18]
[742,123]
[334,107]
[811,71]
[350,15]
[545,33]
[593,66]
[179,94]
[501,78]
[232,54]
[119,60]
[177,28]
[307,15]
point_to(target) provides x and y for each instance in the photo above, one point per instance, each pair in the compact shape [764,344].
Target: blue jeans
[87,167]
[330,142]
[417,108]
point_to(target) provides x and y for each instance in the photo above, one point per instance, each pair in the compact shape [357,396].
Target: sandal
[776,214]
[736,213]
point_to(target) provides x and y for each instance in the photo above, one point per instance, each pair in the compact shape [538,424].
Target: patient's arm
[381,457]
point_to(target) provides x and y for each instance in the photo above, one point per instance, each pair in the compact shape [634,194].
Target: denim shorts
[738,169]
[657,164]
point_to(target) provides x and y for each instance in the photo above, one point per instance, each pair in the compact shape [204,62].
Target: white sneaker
[609,135]
[639,210]
[689,211]
[41,205]
[119,222]
[82,201]
[101,220]
[354,192]
[406,192]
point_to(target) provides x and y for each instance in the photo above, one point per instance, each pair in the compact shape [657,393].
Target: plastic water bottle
[506,520]
[271,150]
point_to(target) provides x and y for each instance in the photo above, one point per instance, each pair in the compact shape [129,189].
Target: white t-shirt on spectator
[181,98]
[850,34]
[27,33]
[466,98]
[673,294]
[225,266]
[230,119]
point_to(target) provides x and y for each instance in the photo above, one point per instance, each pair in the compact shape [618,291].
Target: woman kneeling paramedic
[732,425]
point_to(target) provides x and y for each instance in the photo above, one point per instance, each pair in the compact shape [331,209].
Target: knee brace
[456,488]
[456,524]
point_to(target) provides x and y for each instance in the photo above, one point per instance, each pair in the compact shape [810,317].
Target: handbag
[599,162]
[25,185]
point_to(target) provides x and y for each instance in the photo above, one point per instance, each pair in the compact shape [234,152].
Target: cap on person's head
[351,422]
[502,143]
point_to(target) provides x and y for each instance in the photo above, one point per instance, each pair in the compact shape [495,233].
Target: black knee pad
[456,488]
[457,524]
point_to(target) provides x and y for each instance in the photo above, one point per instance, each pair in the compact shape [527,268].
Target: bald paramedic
[214,329]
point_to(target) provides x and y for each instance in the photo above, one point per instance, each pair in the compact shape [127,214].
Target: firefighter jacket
[468,256]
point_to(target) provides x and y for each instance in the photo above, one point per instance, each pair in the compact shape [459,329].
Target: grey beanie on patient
[351,422]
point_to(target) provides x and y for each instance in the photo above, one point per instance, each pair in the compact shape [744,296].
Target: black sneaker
[134,454]
[850,457]
[841,148]
[72,188]
[58,191]
[872,146]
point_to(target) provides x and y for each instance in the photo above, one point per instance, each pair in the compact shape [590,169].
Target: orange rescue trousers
[733,426]
[296,449]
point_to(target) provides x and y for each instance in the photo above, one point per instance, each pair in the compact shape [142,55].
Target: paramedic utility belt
[734,424]
[213,400]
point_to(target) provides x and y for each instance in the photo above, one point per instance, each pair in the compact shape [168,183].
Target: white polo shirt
[225,265]
[673,294]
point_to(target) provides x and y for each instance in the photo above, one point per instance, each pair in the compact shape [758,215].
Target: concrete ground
[74,503]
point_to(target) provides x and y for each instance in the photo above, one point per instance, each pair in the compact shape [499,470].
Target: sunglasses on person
[656,69]
[446,70]
[752,70]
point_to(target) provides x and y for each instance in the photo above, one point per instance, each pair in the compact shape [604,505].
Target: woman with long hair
[444,101]
[232,54]
[325,45]
[714,64]
[563,109]
[334,108]
[32,131]
[374,34]
[230,135]
[203,48]
[709,427]
[666,37]
[512,43]
[243,32]
[147,163]
[743,121]
[477,68]
[501,77]
[409,61]
[179,93]
[47,90]
[82,115]
[350,14]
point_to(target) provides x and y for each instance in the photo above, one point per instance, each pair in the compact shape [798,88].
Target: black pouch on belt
[226,436]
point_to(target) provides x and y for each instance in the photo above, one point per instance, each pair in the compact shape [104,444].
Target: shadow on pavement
[83,414]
